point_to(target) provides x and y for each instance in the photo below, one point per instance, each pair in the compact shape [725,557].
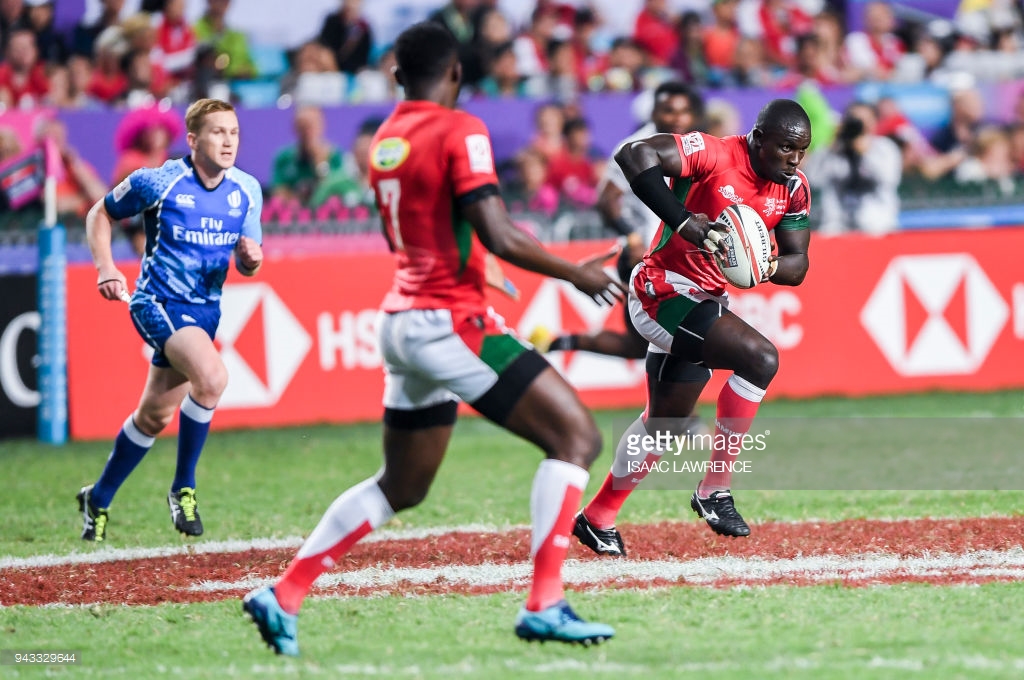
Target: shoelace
[187,501]
[99,524]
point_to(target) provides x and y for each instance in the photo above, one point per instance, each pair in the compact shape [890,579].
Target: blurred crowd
[868,154]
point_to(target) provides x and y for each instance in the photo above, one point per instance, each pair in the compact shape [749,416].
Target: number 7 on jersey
[390,193]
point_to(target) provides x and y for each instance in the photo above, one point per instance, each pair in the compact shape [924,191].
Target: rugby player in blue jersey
[199,212]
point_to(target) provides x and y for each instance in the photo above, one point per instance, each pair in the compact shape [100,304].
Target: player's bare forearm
[98,230]
[792,260]
[654,151]
[510,243]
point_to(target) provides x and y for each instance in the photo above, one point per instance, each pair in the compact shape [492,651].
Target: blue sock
[193,426]
[130,448]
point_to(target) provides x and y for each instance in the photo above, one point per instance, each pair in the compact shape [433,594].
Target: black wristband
[649,186]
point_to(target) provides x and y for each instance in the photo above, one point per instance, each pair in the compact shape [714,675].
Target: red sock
[557,490]
[737,405]
[352,515]
[298,578]
[604,507]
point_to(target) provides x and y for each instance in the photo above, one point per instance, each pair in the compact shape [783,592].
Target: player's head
[428,63]
[678,108]
[212,133]
[779,140]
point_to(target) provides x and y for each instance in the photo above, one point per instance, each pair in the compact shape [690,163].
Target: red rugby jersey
[423,157]
[716,173]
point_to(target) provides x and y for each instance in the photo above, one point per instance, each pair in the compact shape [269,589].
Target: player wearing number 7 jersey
[432,170]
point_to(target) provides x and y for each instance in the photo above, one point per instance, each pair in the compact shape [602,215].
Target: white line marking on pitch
[864,567]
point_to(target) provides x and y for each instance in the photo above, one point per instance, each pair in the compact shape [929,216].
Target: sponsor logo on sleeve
[123,188]
[479,149]
[692,143]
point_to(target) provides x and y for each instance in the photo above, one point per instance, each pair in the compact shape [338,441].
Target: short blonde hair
[200,109]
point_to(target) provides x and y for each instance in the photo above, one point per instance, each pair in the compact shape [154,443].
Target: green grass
[777,632]
[276,483]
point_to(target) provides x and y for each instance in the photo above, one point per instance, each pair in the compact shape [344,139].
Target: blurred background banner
[19,325]
[901,313]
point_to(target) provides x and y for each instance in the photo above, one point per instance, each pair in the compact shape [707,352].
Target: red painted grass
[157,580]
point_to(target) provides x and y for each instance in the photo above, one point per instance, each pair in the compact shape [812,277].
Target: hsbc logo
[262,345]
[934,314]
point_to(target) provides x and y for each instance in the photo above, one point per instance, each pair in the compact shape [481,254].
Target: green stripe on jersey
[499,351]
[681,188]
[463,236]
[794,223]
[673,310]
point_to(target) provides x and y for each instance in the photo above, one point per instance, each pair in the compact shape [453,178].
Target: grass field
[276,484]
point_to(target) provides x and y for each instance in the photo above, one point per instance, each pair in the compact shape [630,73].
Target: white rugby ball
[750,246]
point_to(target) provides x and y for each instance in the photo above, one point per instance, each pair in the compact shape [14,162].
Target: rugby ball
[750,246]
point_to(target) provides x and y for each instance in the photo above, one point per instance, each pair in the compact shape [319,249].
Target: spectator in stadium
[751,68]
[23,81]
[348,36]
[176,304]
[677,109]
[549,120]
[493,32]
[721,40]
[351,182]
[689,60]
[108,82]
[625,66]
[440,346]
[536,192]
[503,79]
[576,168]
[812,65]
[655,32]
[231,47]
[377,84]
[721,118]
[532,45]
[175,50]
[300,167]
[967,111]
[310,58]
[679,302]
[828,28]
[13,17]
[858,178]
[874,52]
[586,24]
[990,161]
[50,43]
[461,18]
[85,35]
[80,187]
[780,21]
[561,82]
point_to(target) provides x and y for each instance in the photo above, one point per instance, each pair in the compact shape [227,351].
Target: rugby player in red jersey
[432,171]
[679,302]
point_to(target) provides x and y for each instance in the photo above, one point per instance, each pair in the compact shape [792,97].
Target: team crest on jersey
[235,201]
[692,143]
[389,153]
[730,194]
[774,206]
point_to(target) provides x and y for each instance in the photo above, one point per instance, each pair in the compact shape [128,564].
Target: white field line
[105,554]
[708,570]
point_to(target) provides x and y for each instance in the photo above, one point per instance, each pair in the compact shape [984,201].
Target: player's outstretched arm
[497,233]
[792,259]
[111,283]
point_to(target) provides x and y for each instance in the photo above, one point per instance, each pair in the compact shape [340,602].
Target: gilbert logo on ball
[749,246]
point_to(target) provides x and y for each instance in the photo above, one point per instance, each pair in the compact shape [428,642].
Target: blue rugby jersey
[191,231]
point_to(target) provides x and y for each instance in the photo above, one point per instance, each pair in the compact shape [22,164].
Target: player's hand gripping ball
[747,261]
